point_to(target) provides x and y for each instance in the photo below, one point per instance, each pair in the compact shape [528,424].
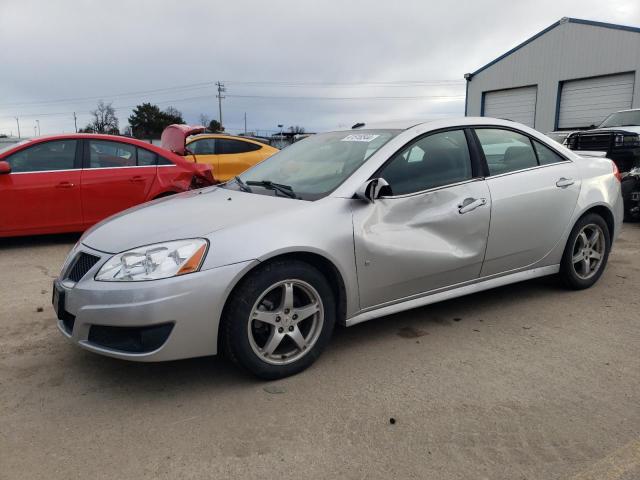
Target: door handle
[564,182]
[137,179]
[65,185]
[469,204]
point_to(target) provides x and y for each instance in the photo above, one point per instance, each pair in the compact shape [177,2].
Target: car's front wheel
[279,319]
[586,253]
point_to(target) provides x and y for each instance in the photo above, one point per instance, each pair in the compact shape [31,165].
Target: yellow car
[228,155]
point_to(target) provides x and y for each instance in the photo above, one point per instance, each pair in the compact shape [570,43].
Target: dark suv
[618,136]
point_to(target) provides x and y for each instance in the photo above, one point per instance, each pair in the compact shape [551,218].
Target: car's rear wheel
[586,253]
[279,319]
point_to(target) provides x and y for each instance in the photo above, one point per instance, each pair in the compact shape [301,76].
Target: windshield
[4,146]
[622,119]
[317,165]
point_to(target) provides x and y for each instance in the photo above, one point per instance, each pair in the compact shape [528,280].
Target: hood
[626,128]
[188,215]
[174,137]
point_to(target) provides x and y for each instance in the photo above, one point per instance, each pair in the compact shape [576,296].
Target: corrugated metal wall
[569,51]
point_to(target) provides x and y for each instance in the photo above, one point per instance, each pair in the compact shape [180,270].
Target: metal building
[570,75]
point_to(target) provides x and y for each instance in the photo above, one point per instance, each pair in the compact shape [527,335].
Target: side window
[107,154]
[433,161]
[164,161]
[146,158]
[227,146]
[205,146]
[55,155]
[546,155]
[506,151]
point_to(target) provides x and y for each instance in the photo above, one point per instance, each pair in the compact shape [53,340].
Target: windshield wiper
[278,187]
[243,186]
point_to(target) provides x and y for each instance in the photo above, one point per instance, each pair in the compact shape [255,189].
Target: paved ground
[524,382]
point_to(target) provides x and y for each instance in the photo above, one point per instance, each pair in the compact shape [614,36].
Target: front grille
[600,142]
[81,265]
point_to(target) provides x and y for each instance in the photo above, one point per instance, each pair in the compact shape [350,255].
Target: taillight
[616,172]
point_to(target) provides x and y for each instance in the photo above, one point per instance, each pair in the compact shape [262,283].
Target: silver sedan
[341,227]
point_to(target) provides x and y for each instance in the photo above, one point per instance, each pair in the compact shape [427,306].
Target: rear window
[106,154]
[228,146]
[506,151]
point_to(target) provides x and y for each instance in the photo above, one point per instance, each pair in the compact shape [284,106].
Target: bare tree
[174,114]
[297,129]
[104,120]
[204,119]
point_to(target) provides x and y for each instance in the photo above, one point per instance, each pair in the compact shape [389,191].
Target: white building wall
[566,52]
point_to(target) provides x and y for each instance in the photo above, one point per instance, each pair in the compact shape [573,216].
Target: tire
[580,268]
[629,185]
[278,319]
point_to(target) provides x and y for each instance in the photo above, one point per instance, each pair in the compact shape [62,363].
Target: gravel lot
[524,382]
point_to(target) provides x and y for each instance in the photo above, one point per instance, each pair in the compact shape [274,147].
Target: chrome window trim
[47,171]
[95,168]
[118,168]
[433,189]
[537,167]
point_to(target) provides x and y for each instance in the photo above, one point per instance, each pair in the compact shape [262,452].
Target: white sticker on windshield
[361,137]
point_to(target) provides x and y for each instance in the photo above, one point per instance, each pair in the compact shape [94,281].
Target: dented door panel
[413,244]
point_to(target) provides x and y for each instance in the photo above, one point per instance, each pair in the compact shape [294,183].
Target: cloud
[79,49]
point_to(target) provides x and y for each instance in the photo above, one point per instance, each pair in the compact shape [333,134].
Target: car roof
[435,123]
[221,135]
[97,136]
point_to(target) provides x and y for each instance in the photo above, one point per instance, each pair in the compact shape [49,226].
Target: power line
[303,97]
[274,97]
[195,86]
[276,84]
[403,83]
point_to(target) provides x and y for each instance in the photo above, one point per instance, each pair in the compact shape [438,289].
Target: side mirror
[5,167]
[371,189]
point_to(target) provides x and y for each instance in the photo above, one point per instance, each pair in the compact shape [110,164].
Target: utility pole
[245,123]
[38,123]
[18,122]
[221,90]
[75,121]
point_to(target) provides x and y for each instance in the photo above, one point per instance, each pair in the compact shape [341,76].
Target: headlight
[618,140]
[152,262]
[631,140]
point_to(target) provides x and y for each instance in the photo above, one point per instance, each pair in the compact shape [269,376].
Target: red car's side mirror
[5,167]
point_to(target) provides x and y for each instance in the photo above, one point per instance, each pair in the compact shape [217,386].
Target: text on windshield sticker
[359,138]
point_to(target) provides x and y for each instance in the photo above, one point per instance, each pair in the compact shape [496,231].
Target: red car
[66,183]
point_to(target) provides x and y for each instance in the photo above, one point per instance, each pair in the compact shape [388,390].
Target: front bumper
[191,304]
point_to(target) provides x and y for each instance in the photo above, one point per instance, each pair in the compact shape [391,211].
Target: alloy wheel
[285,322]
[588,251]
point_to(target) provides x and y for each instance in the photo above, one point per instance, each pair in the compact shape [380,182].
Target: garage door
[517,104]
[587,102]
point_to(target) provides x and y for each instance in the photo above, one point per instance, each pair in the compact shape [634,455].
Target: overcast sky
[61,56]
